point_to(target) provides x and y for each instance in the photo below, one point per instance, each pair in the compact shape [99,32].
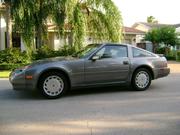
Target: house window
[16,40]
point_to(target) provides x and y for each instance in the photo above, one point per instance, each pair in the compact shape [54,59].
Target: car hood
[55,59]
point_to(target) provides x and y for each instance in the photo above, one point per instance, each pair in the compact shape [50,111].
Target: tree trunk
[39,26]
[8,26]
[39,37]
[154,47]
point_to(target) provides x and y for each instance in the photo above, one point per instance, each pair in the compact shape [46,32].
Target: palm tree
[99,19]
[151,19]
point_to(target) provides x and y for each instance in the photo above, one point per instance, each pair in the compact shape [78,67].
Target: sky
[165,11]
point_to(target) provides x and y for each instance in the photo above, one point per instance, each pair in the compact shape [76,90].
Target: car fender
[47,67]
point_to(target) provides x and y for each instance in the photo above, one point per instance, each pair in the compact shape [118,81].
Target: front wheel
[141,79]
[53,84]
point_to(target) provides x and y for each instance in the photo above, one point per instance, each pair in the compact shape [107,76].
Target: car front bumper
[19,82]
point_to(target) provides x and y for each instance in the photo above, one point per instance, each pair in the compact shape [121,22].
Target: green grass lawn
[4,74]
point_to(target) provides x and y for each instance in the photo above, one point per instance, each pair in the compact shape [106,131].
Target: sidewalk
[174,66]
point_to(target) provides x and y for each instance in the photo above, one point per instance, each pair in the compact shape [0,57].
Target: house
[143,26]
[132,35]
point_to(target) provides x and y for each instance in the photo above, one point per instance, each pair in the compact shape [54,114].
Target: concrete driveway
[102,111]
[174,66]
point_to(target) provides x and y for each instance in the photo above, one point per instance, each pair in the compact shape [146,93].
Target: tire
[53,85]
[141,79]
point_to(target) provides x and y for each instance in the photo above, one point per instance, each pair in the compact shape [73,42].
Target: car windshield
[86,51]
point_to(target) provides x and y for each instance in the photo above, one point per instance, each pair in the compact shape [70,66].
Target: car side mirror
[95,57]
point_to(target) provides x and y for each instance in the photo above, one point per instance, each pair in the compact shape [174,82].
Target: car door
[112,65]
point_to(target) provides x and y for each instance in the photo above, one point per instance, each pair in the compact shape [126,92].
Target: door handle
[125,62]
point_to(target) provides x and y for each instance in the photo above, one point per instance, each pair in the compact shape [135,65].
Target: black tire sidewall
[134,78]
[45,76]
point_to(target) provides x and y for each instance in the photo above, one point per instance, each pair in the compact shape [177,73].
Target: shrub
[160,50]
[168,53]
[46,52]
[178,55]
[164,50]
[43,52]
[65,51]
[170,57]
[11,58]
[9,66]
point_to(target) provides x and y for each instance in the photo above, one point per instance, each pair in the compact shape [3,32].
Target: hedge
[46,52]
[178,55]
[13,58]
[9,66]
[170,57]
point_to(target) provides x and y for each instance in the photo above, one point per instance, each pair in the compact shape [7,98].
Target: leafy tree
[30,20]
[151,19]
[178,39]
[153,36]
[98,18]
[165,34]
[168,35]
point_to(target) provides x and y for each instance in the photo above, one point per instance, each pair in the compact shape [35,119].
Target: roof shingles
[129,30]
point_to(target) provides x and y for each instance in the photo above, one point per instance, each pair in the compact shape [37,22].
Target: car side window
[140,53]
[113,51]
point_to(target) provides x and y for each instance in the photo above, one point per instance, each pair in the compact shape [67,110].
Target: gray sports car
[96,65]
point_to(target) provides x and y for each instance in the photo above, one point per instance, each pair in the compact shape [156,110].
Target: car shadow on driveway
[7,94]
[98,90]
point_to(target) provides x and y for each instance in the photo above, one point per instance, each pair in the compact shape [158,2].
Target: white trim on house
[178,29]
[1,1]
[2,35]
[23,48]
[141,26]
[0,31]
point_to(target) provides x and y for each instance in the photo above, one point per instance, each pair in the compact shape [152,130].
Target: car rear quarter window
[141,53]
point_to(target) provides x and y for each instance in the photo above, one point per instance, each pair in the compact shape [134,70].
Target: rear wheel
[53,85]
[141,79]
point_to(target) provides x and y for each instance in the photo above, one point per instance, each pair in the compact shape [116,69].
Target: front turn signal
[29,77]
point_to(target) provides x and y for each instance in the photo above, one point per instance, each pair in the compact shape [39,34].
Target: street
[100,111]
